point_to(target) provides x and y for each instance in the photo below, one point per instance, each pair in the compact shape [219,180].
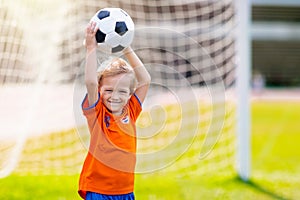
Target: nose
[115,96]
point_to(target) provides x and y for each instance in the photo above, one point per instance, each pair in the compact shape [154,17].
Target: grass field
[275,169]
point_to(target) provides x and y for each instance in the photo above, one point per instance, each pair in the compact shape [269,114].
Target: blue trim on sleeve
[138,99]
[92,106]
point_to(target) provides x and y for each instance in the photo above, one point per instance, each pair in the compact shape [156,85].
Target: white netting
[189,115]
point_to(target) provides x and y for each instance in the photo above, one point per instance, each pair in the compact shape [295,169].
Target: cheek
[105,96]
[125,98]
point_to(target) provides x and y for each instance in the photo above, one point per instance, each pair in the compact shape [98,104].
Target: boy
[111,106]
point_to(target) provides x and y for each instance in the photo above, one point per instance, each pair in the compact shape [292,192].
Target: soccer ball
[116,29]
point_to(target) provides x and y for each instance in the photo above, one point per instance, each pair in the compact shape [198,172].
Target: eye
[108,90]
[123,91]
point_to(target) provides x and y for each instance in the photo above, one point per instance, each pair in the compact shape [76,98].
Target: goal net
[189,117]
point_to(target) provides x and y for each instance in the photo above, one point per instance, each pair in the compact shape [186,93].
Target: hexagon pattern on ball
[116,29]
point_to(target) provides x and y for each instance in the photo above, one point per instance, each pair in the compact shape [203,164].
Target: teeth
[114,101]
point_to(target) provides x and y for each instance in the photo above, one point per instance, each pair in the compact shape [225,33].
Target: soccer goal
[195,118]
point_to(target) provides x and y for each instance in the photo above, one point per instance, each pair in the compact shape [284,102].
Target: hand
[90,39]
[127,50]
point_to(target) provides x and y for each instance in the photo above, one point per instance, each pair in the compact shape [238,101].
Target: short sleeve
[135,106]
[86,108]
[92,113]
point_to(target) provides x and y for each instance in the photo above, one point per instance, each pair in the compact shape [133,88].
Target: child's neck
[117,113]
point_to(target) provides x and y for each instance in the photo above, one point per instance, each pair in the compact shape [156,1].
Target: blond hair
[115,67]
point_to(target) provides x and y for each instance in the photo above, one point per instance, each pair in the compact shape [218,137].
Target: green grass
[39,187]
[275,169]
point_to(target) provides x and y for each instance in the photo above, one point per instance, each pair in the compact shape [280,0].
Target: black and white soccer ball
[116,29]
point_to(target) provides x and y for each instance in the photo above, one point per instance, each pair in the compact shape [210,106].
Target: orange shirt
[110,162]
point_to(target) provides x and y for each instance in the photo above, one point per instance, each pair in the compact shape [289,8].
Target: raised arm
[91,81]
[142,75]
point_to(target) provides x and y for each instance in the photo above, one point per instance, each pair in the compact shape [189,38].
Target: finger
[94,27]
[91,24]
[88,27]
[90,31]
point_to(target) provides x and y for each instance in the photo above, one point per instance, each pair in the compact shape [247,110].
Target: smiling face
[115,92]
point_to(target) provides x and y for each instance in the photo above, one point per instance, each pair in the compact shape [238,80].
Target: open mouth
[114,103]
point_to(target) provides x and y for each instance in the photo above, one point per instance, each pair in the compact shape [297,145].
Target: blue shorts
[96,196]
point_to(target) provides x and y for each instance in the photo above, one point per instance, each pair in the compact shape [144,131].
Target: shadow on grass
[261,189]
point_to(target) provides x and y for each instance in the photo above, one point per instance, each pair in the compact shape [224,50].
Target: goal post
[243,74]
